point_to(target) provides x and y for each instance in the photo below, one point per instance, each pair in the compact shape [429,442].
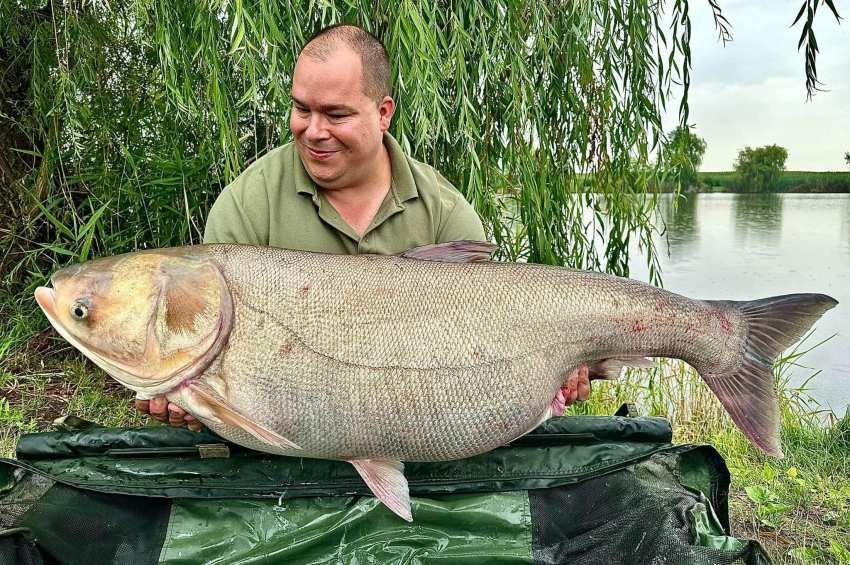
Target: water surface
[746,246]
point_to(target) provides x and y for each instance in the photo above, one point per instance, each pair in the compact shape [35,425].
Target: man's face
[338,130]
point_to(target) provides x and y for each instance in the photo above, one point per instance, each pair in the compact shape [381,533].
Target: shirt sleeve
[240,214]
[462,223]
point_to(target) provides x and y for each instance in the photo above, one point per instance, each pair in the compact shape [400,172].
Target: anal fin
[226,413]
[387,481]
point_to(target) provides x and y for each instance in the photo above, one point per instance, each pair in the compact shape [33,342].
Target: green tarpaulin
[576,490]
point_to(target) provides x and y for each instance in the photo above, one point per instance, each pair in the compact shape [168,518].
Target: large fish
[433,355]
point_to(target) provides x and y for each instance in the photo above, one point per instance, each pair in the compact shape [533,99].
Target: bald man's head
[373,55]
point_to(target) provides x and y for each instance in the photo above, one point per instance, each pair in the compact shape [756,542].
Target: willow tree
[137,114]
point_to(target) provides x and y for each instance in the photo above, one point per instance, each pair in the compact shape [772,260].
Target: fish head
[150,319]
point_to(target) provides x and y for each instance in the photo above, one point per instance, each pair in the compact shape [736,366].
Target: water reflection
[680,219]
[749,246]
[845,227]
[758,218]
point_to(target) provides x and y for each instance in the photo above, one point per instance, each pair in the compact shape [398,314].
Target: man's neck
[359,203]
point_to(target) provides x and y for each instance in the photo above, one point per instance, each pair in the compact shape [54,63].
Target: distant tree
[682,155]
[760,168]
[847,158]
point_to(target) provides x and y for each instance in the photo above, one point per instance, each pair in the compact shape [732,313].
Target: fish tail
[746,391]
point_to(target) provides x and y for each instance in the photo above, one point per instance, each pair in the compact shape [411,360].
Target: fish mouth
[46,299]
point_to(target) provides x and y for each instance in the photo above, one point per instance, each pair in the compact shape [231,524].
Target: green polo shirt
[274,202]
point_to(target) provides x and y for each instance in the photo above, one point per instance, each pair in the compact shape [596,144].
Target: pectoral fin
[386,480]
[226,413]
[610,369]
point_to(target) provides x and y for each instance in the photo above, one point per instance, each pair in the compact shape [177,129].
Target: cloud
[752,92]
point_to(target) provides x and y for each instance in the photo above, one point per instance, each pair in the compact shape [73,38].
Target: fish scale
[438,348]
[430,356]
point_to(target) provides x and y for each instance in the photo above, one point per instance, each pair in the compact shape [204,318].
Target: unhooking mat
[582,490]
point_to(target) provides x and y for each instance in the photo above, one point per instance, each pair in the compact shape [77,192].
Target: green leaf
[768,472]
[58,249]
[758,494]
[841,553]
[54,221]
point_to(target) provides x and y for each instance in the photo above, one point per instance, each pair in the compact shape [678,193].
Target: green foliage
[847,158]
[769,505]
[788,181]
[761,167]
[682,156]
[140,112]
[809,8]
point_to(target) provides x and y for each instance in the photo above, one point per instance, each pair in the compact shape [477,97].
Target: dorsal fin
[464,251]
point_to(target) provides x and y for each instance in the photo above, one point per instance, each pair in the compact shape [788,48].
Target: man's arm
[240,214]
[462,223]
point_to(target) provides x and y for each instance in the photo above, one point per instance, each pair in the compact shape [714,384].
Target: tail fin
[773,325]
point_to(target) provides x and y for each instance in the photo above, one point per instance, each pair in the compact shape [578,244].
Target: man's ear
[386,108]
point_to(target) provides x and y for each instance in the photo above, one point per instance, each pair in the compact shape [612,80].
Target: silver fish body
[378,358]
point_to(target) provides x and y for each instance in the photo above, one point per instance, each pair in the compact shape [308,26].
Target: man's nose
[316,127]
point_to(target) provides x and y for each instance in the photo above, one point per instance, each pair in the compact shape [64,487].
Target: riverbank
[789,181]
[797,507]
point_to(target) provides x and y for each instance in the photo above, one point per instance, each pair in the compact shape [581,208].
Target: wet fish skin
[387,359]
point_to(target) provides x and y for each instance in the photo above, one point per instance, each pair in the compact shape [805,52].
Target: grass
[797,507]
[789,181]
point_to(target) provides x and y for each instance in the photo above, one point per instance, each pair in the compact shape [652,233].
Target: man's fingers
[158,408]
[176,416]
[583,390]
[192,423]
[583,383]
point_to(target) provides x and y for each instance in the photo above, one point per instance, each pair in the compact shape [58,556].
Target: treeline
[756,169]
[787,181]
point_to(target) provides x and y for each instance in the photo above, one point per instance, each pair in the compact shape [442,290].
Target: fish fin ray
[610,369]
[746,392]
[227,414]
[462,251]
[385,478]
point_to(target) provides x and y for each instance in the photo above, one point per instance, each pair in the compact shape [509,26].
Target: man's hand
[577,388]
[160,409]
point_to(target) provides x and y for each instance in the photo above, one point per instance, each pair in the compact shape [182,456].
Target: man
[343,185]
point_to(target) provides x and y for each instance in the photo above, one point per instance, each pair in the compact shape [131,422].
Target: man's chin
[324,176]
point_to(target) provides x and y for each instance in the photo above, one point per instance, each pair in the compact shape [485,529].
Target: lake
[746,246]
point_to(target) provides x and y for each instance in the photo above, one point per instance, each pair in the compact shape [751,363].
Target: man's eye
[338,116]
[301,110]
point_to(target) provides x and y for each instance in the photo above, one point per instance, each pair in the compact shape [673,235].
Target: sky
[752,91]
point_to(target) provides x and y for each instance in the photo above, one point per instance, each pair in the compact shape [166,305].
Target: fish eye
[79,311]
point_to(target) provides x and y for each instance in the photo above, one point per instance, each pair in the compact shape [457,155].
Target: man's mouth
[319,154]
